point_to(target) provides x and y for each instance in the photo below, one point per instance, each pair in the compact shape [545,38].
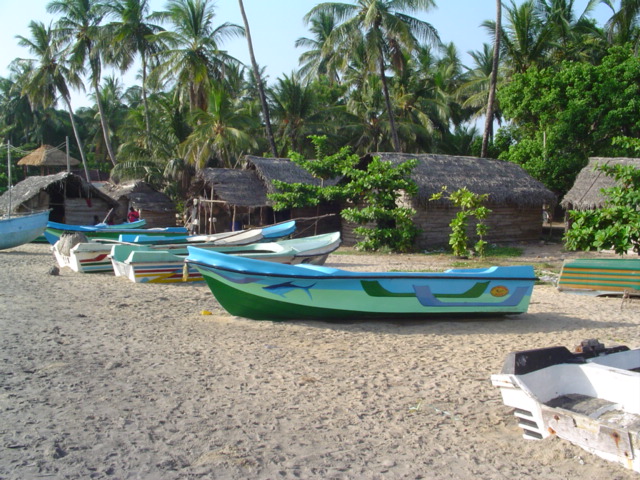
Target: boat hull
[20,229]
[142,264]
[87,257]
[249,289]
[612,276]
[593,402]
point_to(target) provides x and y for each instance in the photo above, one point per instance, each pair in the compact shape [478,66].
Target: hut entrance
[56,204]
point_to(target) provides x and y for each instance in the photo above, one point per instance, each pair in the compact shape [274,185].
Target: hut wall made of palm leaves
[586,192]
[69,197]
[515,198]
[155,207]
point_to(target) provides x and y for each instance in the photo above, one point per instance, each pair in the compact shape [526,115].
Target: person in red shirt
[133,215]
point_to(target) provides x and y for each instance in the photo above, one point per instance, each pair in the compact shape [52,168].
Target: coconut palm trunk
[387,99]
[488,126]
[103,121]
[145,104]
[256,74]
[67,100]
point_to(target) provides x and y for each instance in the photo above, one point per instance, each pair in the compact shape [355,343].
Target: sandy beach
[102,378]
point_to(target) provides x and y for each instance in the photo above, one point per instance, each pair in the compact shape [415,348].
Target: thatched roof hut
[71,199]
[155,207]
[47,156]
[586,193]
[506,183]
[515,198]
[235,187]
[283,169]
[230,198]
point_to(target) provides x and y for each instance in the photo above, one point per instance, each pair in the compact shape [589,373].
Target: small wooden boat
[111,232]
[94,256]
[140,263]
[267,291]
[610,276]
[17,229]
[590,398]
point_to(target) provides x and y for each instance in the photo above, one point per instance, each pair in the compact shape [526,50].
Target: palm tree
[256,74]
[131,35]
[474,90]
[219,133]
[169,123]
[17,117]
[525,40]
[79,26]
[488,126]
[388,33]
[295,109]
[317,61]
[112,97]
[49,76]
[193,57]
[623,26]
[573,36]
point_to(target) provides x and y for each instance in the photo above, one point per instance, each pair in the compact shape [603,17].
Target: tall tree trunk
[488,125]
[67,100]
[145,105]
[387,99]
[256,74]
[103,122]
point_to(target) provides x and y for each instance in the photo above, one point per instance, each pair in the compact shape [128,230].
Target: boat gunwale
[350,275]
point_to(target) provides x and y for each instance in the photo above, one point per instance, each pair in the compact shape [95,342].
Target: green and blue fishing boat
[269,291]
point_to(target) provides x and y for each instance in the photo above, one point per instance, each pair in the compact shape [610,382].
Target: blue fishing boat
[17,229]
[267,291]
[237,237]
[54,230]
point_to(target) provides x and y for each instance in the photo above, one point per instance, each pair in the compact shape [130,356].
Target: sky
[275,26]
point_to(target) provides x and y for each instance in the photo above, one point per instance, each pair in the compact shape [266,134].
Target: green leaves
[617,225]
[375,192]
[471,206]
[569,112]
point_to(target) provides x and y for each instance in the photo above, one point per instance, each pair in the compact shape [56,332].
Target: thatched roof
[506,183]
[140,195]
[586,193]
[30,187]
[236,187]
[283,169]
[47,156]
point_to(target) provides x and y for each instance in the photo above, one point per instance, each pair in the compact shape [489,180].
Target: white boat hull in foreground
[590,398]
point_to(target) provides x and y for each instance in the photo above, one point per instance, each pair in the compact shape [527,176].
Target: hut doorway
[56,204]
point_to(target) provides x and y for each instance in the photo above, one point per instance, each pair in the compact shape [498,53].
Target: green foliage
[374,192]
[323,167]
[617,225]
[471,206]
[567,113]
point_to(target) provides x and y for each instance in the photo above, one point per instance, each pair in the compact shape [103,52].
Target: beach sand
[102,378]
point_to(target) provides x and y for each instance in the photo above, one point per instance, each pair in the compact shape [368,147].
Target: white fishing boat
[590,398]
[93,255]
[142,264]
